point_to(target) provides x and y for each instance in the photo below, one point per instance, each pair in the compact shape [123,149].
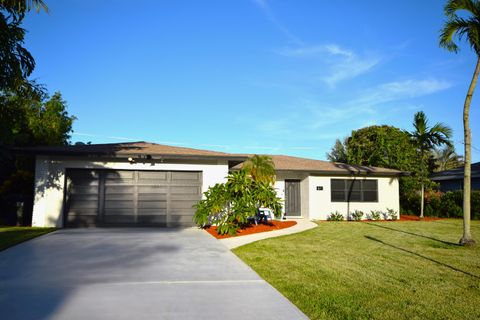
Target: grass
[389,270]
[10,236]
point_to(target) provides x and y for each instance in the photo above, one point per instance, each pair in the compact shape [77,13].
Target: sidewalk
[302,225]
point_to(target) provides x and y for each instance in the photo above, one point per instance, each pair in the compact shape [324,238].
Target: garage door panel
[83,212]
[152,176]
[184,190]
[77,204]
[118,211]
[119,204]
[152,205]
[119,189]
[82,221]
[152,197]
[185,204]
[191,176]
[142,189]
[119,219]
[151,212]
[118,176]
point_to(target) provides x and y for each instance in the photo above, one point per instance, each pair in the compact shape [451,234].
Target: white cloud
[342,64]
[400,90]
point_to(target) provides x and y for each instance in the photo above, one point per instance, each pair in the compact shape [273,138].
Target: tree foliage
[260,168]
[446,158]
[27,121]
[338,153]
[230,205]
[16,62]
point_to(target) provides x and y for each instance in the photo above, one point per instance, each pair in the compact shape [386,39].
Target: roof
[159,151]
[289,163]
[140,148]
[455,174]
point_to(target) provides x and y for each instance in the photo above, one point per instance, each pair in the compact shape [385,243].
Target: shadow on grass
[414,234]
[424,257]
[455,224]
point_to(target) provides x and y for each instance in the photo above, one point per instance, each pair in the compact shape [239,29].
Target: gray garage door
[131,198]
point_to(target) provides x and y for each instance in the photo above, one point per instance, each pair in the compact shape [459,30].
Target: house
[147,184]
[450,180]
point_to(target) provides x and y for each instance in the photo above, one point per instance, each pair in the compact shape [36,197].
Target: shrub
[392,214]
[451,204]
[230,205]
[375,214]
[335,216]
[357,215]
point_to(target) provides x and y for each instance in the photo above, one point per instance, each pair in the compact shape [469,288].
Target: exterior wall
[50,180]
[320,204]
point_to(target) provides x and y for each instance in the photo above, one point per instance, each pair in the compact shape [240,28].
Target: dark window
[348,190]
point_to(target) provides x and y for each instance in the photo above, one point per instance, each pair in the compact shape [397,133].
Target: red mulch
[273,225]
[416,218]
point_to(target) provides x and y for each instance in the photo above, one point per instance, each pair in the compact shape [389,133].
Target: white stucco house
[140,183]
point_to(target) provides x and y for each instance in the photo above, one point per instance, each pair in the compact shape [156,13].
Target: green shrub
[357,215]
[335,216]
[392,214]
[230,205]
[451,204]
[375,214]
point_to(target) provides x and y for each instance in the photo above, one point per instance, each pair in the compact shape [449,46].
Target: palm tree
[467,26]
[22,6]
[446,158]
[425,139]
[260,168]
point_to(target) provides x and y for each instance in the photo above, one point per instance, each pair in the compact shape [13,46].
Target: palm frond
[455,27]
[453,6]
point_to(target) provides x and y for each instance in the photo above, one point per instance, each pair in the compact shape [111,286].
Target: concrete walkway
[302,225]
[133,274]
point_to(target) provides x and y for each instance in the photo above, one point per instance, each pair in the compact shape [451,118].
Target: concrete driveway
[133,274]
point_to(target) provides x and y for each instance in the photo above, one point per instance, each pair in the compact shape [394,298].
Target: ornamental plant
[357,215]
[375,214]
[230,205]
[392,214]
[335,216]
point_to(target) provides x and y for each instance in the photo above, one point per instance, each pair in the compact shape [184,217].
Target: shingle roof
[456,174]
[142,148]
[289,163]
[127,149]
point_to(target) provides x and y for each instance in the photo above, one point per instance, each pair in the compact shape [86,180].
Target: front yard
[10,236]
[374,270]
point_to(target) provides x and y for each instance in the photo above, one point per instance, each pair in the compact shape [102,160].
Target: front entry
[292,198]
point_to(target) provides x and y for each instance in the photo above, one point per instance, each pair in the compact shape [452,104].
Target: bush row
[357,215]
[450,204]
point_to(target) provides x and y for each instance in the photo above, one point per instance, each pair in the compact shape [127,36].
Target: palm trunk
[467,237]
[422,193]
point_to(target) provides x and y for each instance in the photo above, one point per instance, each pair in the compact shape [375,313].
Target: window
[348,190]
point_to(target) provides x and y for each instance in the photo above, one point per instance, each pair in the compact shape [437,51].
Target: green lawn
[382,270]
[10,236]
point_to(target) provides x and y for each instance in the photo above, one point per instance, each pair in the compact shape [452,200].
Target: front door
[292,198]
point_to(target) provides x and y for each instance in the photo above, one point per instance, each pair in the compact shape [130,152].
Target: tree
[27,121]
[468,26]
[16,63]
[425,138]
[338,153]
[446,158]
[260,168]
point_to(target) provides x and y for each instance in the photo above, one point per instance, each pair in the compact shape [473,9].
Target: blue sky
[249,76]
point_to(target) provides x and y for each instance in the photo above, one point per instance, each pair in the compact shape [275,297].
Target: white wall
[50,180]
[320,204]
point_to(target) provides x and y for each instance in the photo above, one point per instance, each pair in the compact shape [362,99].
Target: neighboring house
[451,180]
[140,183]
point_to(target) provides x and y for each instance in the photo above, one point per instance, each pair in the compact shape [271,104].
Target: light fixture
[131,160]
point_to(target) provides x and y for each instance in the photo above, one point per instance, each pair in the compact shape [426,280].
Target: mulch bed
[271,226]
[416,218]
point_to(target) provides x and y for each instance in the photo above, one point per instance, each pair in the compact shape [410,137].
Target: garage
[130,197]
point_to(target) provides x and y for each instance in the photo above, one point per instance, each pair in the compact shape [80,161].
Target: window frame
[348,189]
